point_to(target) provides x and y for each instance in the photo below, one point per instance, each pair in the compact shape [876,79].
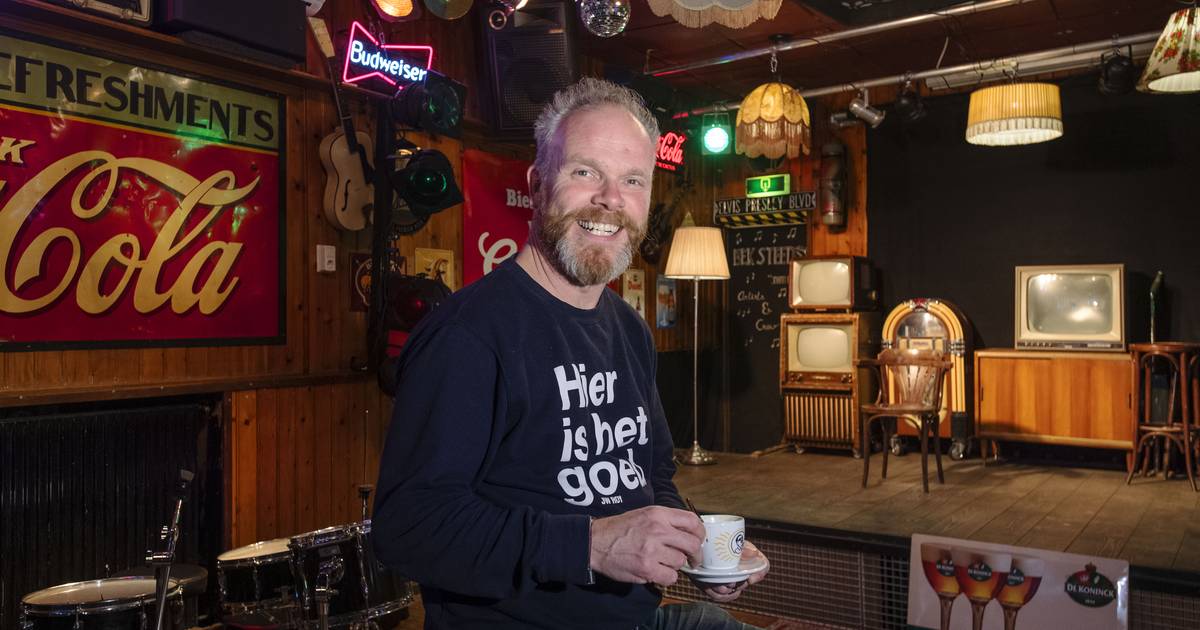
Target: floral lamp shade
[1174,65]
[772,122]
[730,13]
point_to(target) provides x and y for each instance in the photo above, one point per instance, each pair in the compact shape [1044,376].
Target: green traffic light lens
[716,139]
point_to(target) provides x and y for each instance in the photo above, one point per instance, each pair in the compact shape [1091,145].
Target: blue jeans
[694,616]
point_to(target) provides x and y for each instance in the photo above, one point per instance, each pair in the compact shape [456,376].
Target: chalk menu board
[758,266]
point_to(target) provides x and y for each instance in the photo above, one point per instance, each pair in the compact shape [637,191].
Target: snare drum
[255,578]
[342,558]
[124,603]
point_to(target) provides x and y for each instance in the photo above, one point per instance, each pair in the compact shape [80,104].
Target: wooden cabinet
[1055,397]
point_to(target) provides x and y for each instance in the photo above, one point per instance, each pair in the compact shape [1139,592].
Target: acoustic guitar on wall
[346,154]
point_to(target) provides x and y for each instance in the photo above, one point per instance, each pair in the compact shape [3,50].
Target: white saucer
[744,569]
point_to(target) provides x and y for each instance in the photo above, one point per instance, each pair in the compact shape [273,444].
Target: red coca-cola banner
[496,211]
[136,207]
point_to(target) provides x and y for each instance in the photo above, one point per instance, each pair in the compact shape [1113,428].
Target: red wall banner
[496,211]
[136,207]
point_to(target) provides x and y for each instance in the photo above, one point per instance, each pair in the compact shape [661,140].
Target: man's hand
[723,593]
[646,545]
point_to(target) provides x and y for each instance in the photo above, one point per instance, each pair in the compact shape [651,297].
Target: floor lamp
[697,253]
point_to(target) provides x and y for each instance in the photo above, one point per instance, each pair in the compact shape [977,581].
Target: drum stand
[329,573]
[364,494]
[161,560]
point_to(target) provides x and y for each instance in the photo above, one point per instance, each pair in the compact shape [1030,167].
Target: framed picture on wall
[634,290]
[665,314]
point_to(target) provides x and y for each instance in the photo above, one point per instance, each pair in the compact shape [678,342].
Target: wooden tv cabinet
[1075,398]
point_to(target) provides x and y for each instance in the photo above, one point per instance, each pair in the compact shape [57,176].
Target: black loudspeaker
[660,97]
[529,58]
[270,31]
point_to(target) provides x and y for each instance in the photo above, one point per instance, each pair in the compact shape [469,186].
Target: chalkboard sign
[757,296]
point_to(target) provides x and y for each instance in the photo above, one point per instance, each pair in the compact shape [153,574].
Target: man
[526,477]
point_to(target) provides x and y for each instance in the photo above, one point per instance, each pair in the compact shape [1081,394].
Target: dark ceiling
[1030,27]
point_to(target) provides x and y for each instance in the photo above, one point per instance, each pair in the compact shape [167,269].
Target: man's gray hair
[587,93]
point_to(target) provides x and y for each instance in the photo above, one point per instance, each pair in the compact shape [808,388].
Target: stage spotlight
[1118,73]
[863,110]
[436,105]
[841,120]
[909,106]
[424,180]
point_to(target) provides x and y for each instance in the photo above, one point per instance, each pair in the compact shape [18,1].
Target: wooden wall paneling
[323,335]
[339,437]
[323,461]
[289,357]
[196,362]
[354,443]
[266,406]
[102,365]
[352,324]
[305,474]
[852,239]
[150,364]
[376,423]
[76,369]
[244,521]
[221,361]
[285,465]
[47,368]
[174,364]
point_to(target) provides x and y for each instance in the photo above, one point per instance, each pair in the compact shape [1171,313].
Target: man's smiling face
[596,209]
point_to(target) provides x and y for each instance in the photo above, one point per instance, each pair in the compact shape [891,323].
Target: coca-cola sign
[137,207]
[670,151]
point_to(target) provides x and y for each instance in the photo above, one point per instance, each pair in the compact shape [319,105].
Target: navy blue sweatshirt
[517,417]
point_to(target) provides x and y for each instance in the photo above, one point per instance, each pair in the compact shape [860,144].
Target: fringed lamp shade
[697,253]
[772,122]
[1014,113]
[731,13]
[1174,66]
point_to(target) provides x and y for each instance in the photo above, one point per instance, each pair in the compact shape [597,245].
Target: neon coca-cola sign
[670,151]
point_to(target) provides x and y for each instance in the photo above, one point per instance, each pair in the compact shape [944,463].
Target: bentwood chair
[910,388]
[1158,437]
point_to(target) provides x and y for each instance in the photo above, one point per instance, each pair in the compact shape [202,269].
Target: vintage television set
[1070,307]
[820,380]
[832,283]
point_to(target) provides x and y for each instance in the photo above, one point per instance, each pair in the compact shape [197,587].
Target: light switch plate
[326,259]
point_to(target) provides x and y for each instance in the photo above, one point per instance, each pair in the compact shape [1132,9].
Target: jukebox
[932,324]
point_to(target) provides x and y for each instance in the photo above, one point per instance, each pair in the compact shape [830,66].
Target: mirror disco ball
[604,18]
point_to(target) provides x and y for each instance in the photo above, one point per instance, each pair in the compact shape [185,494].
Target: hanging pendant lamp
[1174,66]
[1014,114]
[773,121]
[730,13]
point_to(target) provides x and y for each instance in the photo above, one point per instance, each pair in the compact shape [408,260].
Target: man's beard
[581,264]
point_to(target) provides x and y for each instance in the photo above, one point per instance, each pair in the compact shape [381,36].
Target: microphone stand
[161,560]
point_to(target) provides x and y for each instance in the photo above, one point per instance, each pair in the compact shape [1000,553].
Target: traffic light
[716,136]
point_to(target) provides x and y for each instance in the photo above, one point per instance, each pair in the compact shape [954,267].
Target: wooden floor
[1152,523]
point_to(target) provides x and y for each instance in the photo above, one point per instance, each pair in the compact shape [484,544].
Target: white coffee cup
[724,535]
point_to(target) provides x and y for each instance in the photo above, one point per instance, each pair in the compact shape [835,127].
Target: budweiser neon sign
[395,66]
[670,151]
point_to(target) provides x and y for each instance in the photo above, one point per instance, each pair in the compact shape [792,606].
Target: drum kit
[323,579]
